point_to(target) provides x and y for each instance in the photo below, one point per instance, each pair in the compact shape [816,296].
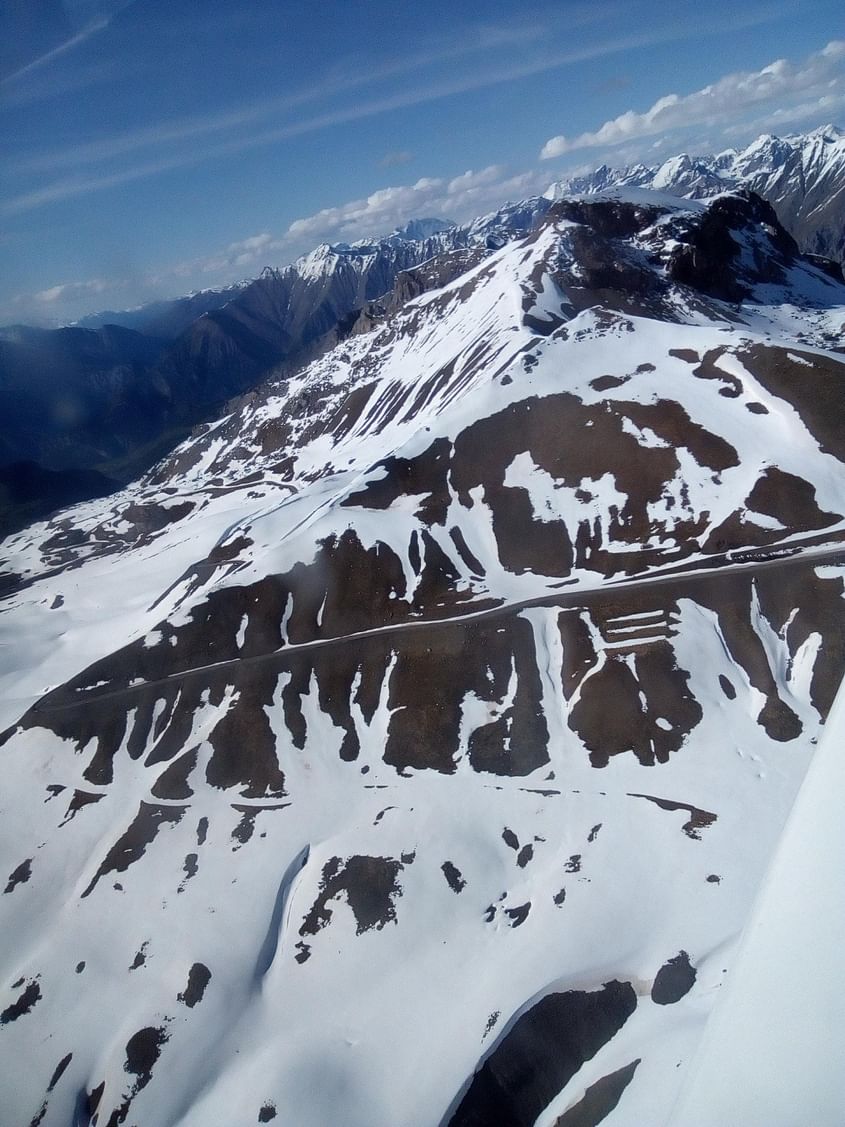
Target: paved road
[678,578]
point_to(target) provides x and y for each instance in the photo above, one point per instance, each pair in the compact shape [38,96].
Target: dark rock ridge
[540,1053]
[600,1099]
[427,672]
[673,981]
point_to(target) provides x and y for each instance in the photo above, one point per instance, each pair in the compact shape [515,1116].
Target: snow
[774,1048]
[339,1035]
[627,193]
[803,172]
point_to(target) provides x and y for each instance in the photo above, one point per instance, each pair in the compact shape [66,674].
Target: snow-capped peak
[417,229]
[801,175]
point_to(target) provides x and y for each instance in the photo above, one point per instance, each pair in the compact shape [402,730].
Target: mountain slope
[63,393]
[287,316]
[789,940]
[413,739]
[197,352]
[115,400]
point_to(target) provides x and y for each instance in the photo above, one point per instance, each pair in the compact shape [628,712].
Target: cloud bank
[460,198]
[817,81]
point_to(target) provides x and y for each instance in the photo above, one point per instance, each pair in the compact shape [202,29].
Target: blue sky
[152,147]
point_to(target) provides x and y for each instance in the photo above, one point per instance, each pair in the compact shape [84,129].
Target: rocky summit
[408,746]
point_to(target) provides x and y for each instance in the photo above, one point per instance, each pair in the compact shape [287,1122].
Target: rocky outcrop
[710,258]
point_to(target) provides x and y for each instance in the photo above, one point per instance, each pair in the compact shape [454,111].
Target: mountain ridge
[441,701]
[125,414]
[283,317]
[801,175]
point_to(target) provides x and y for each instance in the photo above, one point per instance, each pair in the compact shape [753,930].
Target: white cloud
[74,186]
[460,198]
[62,81]
[241,254]
[250,246]
[818,77]
[177,133]
[76,18]
[827,107]
[381,210]
[68,291]
[463,197]
[344,82]
[56,52]
[379,213]
[470,180]
[57,304]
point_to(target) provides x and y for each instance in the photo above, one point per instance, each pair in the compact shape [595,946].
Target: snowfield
[410,745]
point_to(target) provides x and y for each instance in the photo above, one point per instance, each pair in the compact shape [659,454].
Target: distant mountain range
[167,318]
[115,392]
[802,177]
[114,399]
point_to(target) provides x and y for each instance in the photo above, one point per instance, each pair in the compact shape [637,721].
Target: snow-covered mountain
[409,745]
[109,401]
[802,176]
[113,418]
